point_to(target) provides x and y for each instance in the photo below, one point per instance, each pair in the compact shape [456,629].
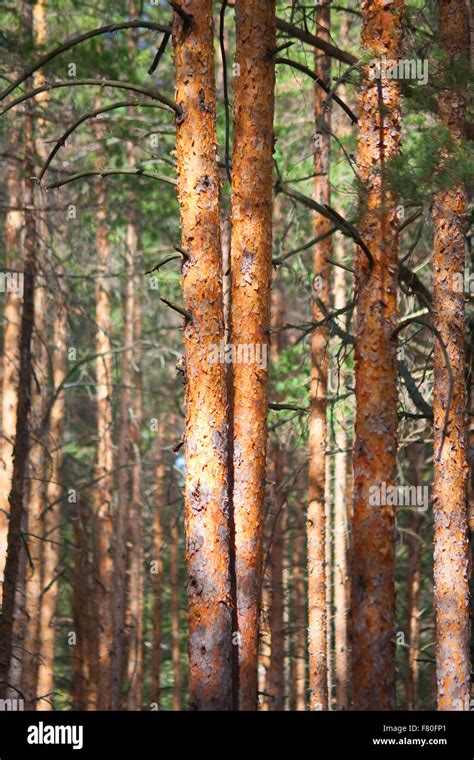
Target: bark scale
[251,252]
[206,435]
[374,459]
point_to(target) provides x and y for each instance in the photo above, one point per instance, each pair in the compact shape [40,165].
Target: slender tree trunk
[251,251]
[13,566]
[298,621]
[175,614]
[135,528]
[106,594]
[341,579]
[124,620]
[11,331]
[276,673]
[415,456]
[451,548]
[206,435]
[157,573]
[85,663]
[316,519]
[52,518]
[373,531]
[275,687]
[36,500]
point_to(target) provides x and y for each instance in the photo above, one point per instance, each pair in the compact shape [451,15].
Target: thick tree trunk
[316,518]
[251,251]
[373,589]
[206,435]
[451,548]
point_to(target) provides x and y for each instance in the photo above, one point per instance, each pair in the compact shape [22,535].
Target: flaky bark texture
[450,466]
[316,518]
[373,591]
[251,251]
[206,434]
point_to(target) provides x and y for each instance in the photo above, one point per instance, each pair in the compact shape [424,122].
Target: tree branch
[68,44]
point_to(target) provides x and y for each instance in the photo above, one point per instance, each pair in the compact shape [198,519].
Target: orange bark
[316,517]
[374,462]
[11,329]
[206,434]
[451,549]
[251,251]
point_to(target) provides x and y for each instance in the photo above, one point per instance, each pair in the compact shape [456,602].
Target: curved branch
[109,173]
[91,115]
[68,44]
[155,94]
[439,337]
[320,82]
[329,213]
[331,50]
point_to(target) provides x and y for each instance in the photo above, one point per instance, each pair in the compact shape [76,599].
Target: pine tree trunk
[103,518]
[157,572]
[251,252]
[341,579]
[415,456]
[11,331]
[316,518]
[451,549]
[14,565]
[298,620]
[276,673]
[135,525]
[206,435]
[52,518]
[373,531]
[175,614]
